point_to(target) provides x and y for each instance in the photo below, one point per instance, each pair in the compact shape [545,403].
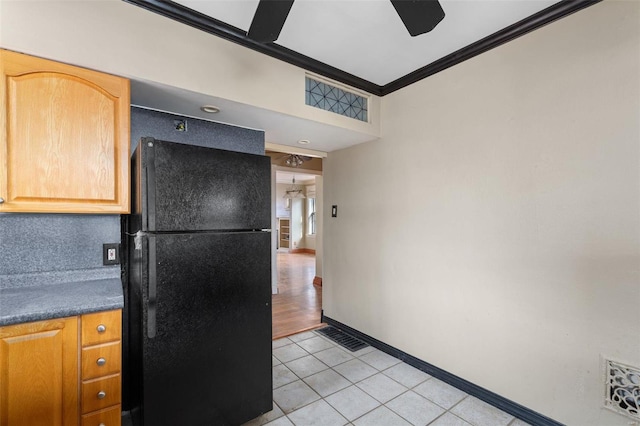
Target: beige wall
[297,223]
[308,241]
[494,230]
[120,38]
[319,224]
[281,202]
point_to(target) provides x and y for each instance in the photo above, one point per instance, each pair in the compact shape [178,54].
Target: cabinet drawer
[100,393]
[111,416]
[101,360]
[101,327]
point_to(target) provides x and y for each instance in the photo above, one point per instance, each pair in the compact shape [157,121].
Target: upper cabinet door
[64,142]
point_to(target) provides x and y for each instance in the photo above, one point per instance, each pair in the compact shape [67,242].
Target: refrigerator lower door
[206,329]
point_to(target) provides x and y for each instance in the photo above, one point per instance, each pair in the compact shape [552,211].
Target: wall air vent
[622,389]
[331,98]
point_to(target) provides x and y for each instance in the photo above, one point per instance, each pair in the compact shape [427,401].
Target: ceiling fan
[419,16]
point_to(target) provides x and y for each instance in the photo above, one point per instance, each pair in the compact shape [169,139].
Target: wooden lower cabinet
[101,356]
[39,373]
[62,372]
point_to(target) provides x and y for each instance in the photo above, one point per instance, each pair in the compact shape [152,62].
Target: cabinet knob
[102,424]
[101,395]
[1,200]
[101,361]
[101,328]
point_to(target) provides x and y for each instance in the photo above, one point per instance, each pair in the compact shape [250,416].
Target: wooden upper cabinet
[64,143]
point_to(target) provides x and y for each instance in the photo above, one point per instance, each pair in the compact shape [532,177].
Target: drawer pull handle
[101,362]
[102,424]
[102,395]
[101,328]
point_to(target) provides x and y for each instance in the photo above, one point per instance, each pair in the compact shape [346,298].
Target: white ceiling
[366,38]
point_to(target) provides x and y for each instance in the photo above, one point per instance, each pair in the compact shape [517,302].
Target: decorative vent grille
[330,98]
[623,389]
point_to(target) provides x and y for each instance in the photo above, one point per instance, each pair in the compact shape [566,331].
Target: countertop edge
[29,304]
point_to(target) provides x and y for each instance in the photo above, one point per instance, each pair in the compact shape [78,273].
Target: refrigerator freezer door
[207,358]
[192,188]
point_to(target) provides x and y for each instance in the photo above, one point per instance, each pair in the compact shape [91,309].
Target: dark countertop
[40,302]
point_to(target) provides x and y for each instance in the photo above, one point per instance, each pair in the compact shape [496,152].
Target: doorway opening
[297,227]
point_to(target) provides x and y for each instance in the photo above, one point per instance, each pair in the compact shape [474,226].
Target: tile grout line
[351,383]
[321,397]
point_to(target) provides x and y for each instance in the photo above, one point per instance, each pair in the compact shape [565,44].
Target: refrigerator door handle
[152,290]
[150,171]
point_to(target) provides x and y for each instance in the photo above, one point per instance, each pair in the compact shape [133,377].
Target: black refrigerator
[198,291]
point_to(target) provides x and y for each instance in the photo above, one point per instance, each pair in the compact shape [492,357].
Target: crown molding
[228,32]
[180,13]
[520,28]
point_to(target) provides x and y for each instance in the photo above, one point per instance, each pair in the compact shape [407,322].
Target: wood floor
[297,305]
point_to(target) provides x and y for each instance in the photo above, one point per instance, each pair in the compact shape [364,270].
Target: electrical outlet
[111,254]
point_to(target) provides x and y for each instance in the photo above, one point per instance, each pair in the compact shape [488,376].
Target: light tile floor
[318,383]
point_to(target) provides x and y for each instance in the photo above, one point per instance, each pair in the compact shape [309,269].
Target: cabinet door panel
[64,128]
[64,138]
[39,373]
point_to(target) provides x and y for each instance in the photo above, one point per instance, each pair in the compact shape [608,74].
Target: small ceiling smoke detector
[304,142]
[210,109]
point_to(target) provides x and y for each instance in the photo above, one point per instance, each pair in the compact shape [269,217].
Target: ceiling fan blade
[419,16]
[269,20]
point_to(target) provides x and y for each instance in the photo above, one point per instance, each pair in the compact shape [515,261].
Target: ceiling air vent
[622,389]
[335,99]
